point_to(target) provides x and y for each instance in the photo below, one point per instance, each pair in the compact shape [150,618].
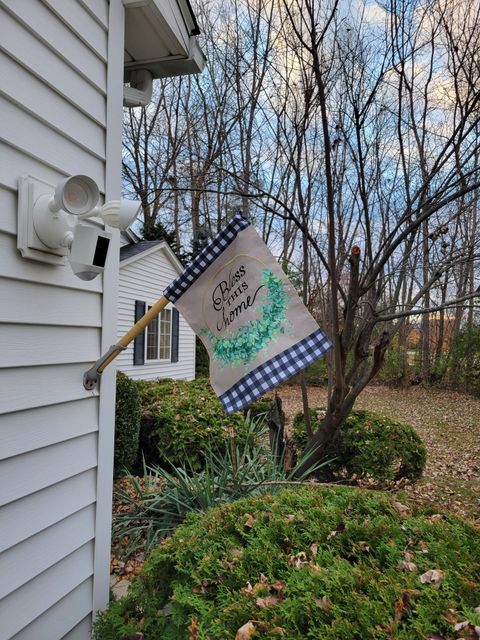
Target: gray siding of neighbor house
[53,106]
[144,279]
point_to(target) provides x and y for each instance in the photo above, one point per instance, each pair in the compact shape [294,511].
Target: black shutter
[139,342]
[175,333]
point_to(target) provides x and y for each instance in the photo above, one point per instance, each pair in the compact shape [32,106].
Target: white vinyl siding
[23,518]
[53,101]
[57,621]
[45,591]
[145,278]
[45,549]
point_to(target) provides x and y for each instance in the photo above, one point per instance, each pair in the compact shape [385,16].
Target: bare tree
[394,71]
[352,140]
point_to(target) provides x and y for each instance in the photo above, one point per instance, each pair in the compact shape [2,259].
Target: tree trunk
[276,428]
[425,344]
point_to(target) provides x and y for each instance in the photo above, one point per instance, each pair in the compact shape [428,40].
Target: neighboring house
[166,349]
[62,68]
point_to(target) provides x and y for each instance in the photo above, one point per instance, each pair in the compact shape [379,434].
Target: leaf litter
[447,421]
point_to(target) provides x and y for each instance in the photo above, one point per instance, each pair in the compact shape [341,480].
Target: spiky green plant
[158,503]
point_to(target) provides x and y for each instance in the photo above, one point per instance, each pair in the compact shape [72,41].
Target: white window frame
[158,319]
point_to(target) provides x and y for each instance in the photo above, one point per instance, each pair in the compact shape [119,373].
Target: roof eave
[160,246]
[160,36]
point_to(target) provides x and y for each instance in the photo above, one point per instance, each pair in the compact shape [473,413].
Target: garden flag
[256,329]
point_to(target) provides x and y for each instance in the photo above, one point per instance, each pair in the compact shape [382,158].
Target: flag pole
[92,376]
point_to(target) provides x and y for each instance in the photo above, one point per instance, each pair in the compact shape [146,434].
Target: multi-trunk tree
[402,97]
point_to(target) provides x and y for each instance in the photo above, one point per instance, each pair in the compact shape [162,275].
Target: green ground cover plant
[313,562]
[180,421]
[370,446]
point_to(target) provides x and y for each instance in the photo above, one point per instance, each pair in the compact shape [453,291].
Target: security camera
[88,251]
[56,216]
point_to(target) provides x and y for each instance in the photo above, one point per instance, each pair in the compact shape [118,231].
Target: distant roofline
[131,252]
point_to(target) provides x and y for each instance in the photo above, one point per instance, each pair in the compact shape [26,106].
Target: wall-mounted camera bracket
[28,242]
[92,377]
[49,223]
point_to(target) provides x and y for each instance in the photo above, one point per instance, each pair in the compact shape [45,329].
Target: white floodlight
[117,213]
[76,195]
[49,223]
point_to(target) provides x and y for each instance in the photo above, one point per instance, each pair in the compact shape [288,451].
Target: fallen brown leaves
[323,603]
[194,630]
[448,423]
[246,631]
[250,521]
[402,605]
[434,576]
[118,567]
[400,508]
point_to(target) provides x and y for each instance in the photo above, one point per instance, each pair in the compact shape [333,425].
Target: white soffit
[160,36]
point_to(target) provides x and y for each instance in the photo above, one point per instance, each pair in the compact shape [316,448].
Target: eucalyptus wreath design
[242,346]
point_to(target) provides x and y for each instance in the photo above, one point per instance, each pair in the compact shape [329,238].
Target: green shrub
[127,424]
[395,370]
[464,360]
[181,420]
[299,432]
[258,408]
[305,563]
[316,374]
[158,502]
[370,445]
[202,361]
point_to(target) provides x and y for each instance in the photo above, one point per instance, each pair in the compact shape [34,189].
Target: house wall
[145,279]
[55,467]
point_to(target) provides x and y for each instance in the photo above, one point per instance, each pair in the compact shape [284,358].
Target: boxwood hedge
[370,446]
[181,420]
[127,424]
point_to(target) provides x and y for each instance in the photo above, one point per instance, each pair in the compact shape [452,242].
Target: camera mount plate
[28,242]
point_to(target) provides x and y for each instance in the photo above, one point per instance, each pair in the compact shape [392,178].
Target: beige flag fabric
[255,327]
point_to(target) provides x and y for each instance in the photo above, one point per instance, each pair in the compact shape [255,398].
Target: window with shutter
[159,337]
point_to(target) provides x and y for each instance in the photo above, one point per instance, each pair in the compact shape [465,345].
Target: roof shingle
[130,250]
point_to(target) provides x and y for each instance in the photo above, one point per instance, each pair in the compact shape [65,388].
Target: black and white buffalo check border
[275,371]
[205,258]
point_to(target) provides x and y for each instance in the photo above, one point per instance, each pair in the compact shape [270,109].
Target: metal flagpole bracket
[92,376]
